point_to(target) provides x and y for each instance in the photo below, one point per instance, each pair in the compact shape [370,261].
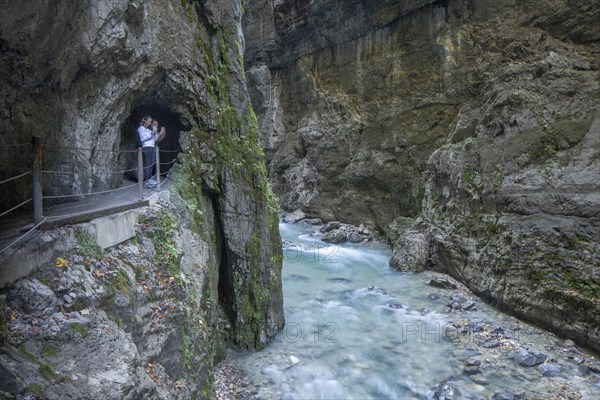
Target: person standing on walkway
[147,141]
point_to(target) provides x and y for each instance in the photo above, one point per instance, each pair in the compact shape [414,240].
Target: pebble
[549,370]
[231,382]
[491,344]
[475,326]
[473,370]
[472,362]
[504,396]
[434,296]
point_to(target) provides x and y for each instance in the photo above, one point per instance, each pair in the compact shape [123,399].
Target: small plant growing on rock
[88,246]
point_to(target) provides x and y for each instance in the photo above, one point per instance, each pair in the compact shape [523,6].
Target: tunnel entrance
[169,146]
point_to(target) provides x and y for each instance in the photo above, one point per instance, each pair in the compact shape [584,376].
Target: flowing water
[356,329]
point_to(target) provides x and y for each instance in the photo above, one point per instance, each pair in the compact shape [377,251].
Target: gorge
[464,133]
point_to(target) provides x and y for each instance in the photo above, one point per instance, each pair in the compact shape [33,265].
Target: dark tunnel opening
[169,146]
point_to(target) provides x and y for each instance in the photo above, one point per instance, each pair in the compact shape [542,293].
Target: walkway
[16,229]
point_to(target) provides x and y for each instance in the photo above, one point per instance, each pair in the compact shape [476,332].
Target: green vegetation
[4,329]
[138,272]
[119,281]
[535,275]
[79,329]
[167,255]
[229,148]
[253,245]
[28,356]
[36,390]
[206,390]
[472,180]
[50,351]
[48,373]
[88,246]
[186,353]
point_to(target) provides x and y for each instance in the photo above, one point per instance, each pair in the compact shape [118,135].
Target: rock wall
[72,73]
[474,125]
[137,320]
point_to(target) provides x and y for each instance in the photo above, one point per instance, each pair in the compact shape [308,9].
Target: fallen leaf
[61,262]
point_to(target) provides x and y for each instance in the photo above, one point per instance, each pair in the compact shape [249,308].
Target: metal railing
[37,172]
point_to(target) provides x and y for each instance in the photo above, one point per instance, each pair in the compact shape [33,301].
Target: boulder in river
[443,283]
[549,370]
[330,226]
[312,221]
[529,359]
[354,237]
[295,216]
[335,236]
[447,390]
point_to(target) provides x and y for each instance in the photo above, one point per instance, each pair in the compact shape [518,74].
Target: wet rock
[458,298]
[443,283]
[354,237]
[479,379]
[549,370]
[446,390]
[458,302]
[472,362]
[376,290]
[475,326]
[286,244]
[498,331]
[330,226]
[395,306]
[529,359]
[335,236]
[568,343]
[472,370]
[294,216]
[503,396]
[595,368]
[583,370]
[411,252]
[312,221]
[491,344]
[578,360]
[434,296]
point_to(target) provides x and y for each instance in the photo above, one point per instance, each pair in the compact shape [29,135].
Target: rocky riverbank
[333,232]
[508,349]
[231,382]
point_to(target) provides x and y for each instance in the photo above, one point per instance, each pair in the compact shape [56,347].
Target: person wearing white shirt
[147,141]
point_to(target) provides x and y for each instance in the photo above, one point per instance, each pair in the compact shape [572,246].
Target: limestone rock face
[481,117]
[75,74]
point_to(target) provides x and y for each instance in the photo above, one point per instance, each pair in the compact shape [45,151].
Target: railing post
[38,212]
[157,166]
[140,162]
